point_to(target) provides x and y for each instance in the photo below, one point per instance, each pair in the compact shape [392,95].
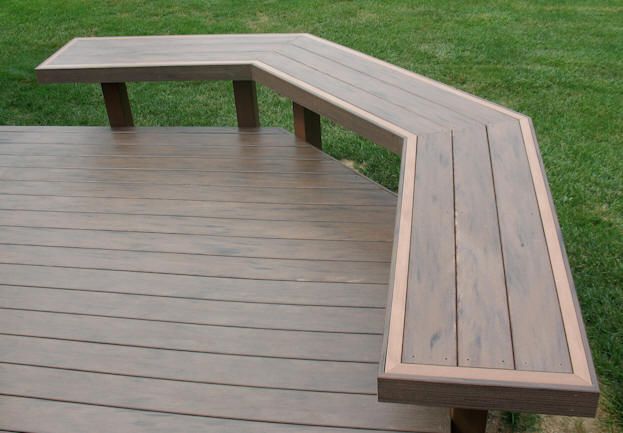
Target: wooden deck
[482,311]
[191,279]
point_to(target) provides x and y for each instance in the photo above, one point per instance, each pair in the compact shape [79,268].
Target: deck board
[132,295]
[194,287]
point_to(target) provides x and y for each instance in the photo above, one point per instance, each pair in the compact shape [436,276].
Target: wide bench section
[481,313]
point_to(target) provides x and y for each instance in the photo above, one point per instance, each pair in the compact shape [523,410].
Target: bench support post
[117,105]
[468,420]
[247,112]
[307,125]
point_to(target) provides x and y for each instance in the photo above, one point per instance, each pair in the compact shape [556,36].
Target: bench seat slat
[483,325]
[430,328]
[533,303]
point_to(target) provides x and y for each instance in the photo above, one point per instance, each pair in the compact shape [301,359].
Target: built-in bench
[482,312]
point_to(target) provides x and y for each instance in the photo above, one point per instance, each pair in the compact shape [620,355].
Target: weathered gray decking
[191,280]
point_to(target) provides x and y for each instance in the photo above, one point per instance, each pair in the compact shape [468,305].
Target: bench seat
[482,311]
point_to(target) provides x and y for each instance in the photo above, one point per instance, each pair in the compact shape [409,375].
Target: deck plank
[300,249]
[193,264]
[106,419]
[176,163]
[322,196]
[170,177]
[268,151]
[377,215]
[252,371]
[233,402]
[45,217]
[362,348]
[206,312]
[197,287]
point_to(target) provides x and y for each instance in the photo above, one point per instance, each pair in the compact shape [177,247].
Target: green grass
[559,62]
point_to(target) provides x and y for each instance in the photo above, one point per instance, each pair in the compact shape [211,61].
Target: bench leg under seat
[117,105]
[247,112]
[307,125]
[468,420]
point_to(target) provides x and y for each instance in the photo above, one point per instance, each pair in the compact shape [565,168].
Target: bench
[482,312]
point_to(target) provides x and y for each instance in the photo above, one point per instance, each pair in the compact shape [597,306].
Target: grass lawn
[559,62]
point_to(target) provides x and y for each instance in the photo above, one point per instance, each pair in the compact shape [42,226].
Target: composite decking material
[145,303]
[482,311]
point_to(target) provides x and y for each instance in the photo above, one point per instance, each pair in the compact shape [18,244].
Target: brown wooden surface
[307,125]
[125,313]
[247,111]
[117,105]
[478,268]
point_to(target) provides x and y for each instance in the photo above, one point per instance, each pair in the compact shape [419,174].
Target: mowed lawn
[559,62]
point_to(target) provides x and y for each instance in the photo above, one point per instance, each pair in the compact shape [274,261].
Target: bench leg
[117,105]
[307,125]
[247,111]
[468,420]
